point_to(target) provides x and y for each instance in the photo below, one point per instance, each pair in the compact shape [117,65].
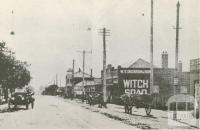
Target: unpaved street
[55,112]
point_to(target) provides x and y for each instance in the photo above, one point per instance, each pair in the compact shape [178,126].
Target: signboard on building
[135,80]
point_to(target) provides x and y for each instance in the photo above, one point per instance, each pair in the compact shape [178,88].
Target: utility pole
[177,77]
[104,32]
[73,69]
[83,77]
[56,79]
[60,81]
[177,35]
[151,46]
[72,80]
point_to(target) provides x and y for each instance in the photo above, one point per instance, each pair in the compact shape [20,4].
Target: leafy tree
[51,90]
[14,73]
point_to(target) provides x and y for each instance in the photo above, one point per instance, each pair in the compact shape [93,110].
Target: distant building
[194,74]
[93,87]
[77,77]
[164,59]
[163,81]
[185,82]
[111,82]
[72,80]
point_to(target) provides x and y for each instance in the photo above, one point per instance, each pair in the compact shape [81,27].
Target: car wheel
[27,106]
[32,104]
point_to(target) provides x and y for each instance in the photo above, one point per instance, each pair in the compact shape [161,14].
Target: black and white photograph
[99,64]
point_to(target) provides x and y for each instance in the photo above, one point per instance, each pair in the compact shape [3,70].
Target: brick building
[163,81]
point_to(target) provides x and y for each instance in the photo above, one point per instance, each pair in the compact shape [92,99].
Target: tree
[14,73]
[51,90]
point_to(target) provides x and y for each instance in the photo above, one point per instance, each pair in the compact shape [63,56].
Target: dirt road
[55,112]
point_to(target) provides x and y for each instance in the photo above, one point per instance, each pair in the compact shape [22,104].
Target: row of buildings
[165,81]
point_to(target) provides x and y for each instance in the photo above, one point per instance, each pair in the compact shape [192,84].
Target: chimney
[164,59]
[91,72]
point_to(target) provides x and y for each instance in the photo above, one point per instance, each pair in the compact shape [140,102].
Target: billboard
[135,80]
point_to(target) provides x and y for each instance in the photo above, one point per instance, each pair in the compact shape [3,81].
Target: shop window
[172,106]
[182,106]
[190,106]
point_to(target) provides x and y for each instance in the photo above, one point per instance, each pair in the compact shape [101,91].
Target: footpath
[157,120]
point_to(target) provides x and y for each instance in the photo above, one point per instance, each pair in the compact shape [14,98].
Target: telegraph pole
[60,81]
[177,77]
[84,52]
[56,79]
[151,46]
[73,68]
[104,32]
[177,35]
[72,91]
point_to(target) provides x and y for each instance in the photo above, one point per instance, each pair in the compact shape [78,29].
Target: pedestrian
[100,98]
[82,97]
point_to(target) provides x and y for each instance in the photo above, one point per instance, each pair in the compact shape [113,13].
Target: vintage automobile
[21,98]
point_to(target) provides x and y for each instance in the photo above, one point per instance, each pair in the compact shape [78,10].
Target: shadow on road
[147,116]
[4,110]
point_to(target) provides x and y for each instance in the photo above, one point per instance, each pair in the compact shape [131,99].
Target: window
[190,106]
[173,106]
[182,106]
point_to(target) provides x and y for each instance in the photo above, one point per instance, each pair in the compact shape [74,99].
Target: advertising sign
[135,80]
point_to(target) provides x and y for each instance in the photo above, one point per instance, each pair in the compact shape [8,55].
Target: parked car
[21,98]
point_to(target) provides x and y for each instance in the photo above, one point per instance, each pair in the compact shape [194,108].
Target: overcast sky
[48,33]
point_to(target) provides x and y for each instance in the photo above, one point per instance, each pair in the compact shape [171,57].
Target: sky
[49,33]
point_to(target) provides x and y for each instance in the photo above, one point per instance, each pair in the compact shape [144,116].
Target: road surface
[55,112]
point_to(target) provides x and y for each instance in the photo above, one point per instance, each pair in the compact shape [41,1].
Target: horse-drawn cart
[139,101]
[134,88]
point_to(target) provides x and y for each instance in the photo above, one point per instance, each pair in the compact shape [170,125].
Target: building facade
[73,78]
[164,59]
[93,87]
[163,81]
[194,74]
